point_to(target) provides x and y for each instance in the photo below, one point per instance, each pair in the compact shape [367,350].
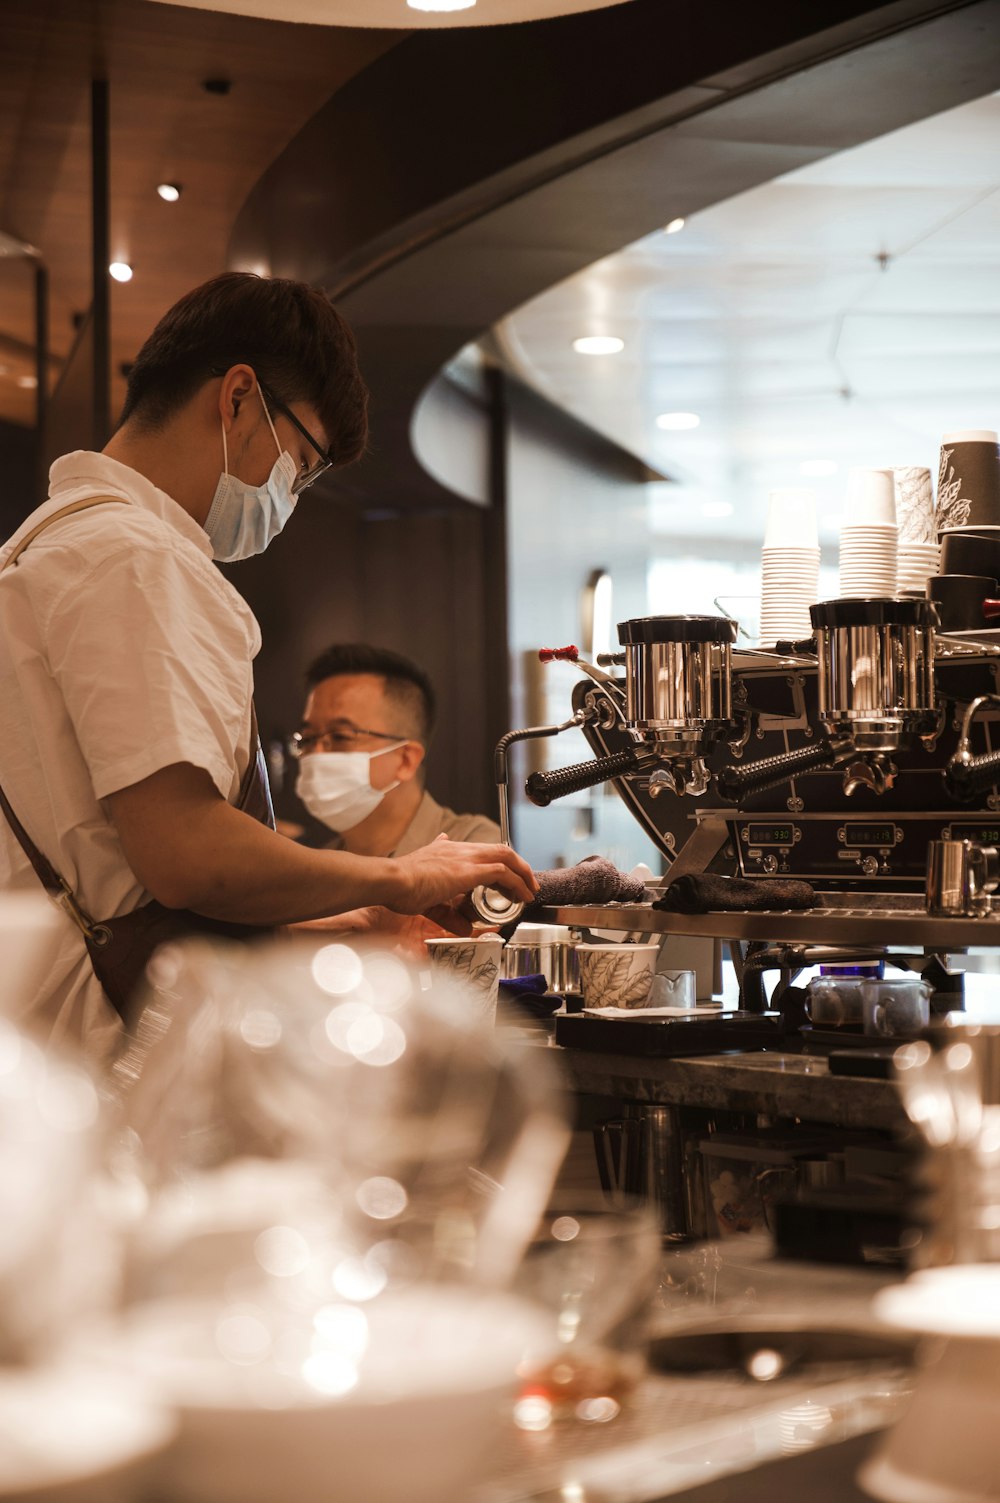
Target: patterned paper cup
[473,962]
[617,975]
[968,480]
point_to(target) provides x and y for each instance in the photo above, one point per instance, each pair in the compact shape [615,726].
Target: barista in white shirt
[361,746]
[126,748]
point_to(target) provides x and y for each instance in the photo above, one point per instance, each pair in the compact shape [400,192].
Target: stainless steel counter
[897,920]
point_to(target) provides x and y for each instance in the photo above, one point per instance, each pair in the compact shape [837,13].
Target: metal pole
[495,562]
[100,252]
[41,379]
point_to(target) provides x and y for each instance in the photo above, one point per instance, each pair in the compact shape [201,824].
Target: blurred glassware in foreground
[57,1256]
[341,1167]
[593,1267]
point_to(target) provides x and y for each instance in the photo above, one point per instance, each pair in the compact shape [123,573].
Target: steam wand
[488,902]
[966,775]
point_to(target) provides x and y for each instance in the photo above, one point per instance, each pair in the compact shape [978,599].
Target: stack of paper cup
[868,538]
[790,567]
[918,551]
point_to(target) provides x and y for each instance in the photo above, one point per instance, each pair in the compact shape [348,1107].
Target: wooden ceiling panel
[164,128]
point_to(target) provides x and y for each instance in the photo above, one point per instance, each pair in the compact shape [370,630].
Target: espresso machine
[836,761]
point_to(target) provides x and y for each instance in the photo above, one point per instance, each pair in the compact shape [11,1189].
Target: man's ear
[411,755]
[237,384]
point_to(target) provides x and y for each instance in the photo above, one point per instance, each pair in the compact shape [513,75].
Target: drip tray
[664,1038]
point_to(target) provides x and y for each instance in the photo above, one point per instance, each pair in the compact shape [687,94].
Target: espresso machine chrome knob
[770,863]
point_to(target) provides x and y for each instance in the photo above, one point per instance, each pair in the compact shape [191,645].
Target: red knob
[558,654]
[991,609]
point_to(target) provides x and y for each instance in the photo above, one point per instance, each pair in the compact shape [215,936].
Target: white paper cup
[871,497]
[617,975]
[791,519]
[475,963]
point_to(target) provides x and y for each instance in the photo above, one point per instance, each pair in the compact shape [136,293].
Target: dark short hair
[405,683]
[288,332]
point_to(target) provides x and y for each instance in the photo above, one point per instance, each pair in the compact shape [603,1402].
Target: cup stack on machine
[918,551]
[789,567]
[869,536]
[967,519]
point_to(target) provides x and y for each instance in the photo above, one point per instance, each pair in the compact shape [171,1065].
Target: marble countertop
[682,1431]
[794,1085]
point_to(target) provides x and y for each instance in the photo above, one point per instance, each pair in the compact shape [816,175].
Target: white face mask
[244,518]
[336,787]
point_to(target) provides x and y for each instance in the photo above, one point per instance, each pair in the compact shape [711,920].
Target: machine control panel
[982,832]
[831,847]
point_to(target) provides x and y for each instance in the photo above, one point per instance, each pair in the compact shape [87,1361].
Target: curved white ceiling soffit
[400,15]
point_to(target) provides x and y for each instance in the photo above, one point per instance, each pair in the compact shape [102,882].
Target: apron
[119,948]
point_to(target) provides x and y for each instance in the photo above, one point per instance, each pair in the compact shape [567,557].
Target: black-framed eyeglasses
[325,462]
[334,738]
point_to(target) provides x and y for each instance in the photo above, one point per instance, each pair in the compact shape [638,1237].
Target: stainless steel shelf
[907,924]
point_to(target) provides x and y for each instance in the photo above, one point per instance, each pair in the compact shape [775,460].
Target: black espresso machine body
[871,838]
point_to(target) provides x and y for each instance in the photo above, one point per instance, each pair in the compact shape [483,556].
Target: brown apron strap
[56,516]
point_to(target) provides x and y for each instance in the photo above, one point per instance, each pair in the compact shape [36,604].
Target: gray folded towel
[593,880]
[700,892]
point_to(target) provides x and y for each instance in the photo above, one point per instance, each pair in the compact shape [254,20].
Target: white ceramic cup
[871,497]
[476,963]
[617,975]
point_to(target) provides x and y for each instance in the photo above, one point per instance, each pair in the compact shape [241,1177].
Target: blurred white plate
[69,1434]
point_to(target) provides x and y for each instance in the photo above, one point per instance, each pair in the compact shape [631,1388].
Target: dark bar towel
[701,893]
[592,880]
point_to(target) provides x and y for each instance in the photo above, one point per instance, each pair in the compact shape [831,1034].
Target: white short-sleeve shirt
[122,650]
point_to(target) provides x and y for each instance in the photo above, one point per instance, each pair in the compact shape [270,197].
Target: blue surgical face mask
[242,518]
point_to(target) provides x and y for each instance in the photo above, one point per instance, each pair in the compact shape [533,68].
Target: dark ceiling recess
[464,172]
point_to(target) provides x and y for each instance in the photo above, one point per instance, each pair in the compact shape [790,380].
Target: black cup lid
[885,611]
[647,629]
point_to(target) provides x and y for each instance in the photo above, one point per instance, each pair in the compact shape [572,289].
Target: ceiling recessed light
[818,467]
[169,192]
[121,271]
[673,227]
[598,344]
[27,383]
[677,422]
[717,509]
[440,4]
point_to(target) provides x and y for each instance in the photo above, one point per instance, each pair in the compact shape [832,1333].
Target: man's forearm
[190,849]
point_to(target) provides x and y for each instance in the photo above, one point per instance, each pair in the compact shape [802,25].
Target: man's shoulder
[433,819]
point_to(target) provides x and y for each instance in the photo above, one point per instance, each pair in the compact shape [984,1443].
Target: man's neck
[385,827]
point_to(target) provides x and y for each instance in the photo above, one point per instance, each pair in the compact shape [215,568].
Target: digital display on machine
[982,834]
[770,834]
[869,834]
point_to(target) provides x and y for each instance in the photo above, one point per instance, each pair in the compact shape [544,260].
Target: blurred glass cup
[342,1168]
[593,1267]
[893,1008]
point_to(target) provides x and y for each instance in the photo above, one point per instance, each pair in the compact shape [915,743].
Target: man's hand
[446,870]
[406,933]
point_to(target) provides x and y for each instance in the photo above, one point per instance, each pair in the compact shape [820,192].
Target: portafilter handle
[735,783]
